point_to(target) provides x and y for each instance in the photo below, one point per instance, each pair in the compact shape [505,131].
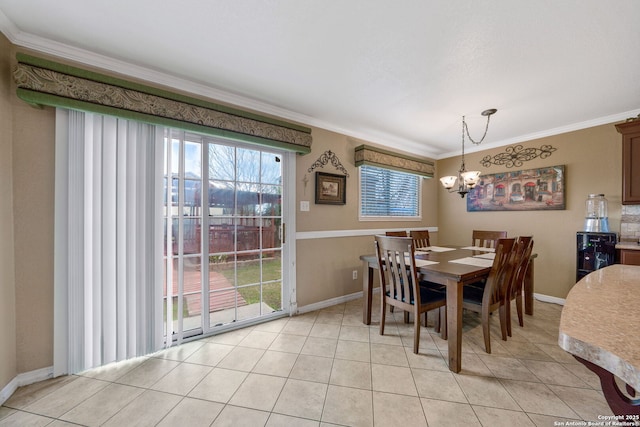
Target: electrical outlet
[355,274]
[304,206]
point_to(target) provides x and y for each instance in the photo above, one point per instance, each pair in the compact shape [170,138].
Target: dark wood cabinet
[629,257]
[630,161]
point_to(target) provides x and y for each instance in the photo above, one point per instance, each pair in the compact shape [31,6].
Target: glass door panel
[223,245]
[183,223]
[245,215]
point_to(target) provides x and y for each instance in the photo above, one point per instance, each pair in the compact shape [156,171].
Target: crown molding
[8,28]
[82,56]
[546,133]
[46,46]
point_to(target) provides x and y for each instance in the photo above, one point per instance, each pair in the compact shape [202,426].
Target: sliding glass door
[224,225]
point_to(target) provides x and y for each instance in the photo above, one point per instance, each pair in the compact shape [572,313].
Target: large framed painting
[523,190]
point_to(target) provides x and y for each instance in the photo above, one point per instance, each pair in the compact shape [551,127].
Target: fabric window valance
[44,82]
[372,156]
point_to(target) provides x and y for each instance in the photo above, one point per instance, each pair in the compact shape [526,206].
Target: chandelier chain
[462,166]
[466,128]
[466,180]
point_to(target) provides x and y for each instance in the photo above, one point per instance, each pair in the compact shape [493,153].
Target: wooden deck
[222,296]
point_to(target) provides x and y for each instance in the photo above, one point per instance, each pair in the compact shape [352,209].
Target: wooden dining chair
[398,234]
[492,297]
[420,238]
[522,253]
[399,283]
[486,239]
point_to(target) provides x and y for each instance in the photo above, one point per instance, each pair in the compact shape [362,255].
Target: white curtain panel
[108,241]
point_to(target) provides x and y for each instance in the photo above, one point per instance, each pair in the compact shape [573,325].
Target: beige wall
[33,206]
[8,363]
[325,265]
[593,161]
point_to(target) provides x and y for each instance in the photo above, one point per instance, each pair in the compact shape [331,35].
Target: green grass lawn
[185,311]
[250,273]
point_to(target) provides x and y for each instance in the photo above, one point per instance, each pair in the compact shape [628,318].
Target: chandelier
[466,179]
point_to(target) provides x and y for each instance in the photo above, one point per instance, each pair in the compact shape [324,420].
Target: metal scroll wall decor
[517,155]
[325,158]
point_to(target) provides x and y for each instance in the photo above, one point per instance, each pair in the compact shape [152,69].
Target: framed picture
[524,190]
[330,189]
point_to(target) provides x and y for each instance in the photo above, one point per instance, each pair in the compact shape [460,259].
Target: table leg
[528,289]
[454,324]
[367,292]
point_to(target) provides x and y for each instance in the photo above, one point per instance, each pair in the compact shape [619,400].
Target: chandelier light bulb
[471,178]
[448,181]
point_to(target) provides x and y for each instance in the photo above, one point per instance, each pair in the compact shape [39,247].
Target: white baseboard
[23,379]
[328,303]
[547,298]
[331,302]
[8,390]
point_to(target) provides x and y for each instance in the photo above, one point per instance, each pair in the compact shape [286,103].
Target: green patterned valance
[366,155]
[44,82]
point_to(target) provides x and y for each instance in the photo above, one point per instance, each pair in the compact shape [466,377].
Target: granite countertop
[628,245]
[600,319]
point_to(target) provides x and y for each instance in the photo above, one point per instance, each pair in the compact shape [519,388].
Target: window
[385,193]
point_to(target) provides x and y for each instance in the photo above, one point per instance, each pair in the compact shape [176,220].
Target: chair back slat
[523,250]
[500,274]
[397,268]
[487,239]
[420,238]
[396,233]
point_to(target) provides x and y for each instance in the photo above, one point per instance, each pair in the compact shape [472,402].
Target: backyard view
[250,274]
[223,224]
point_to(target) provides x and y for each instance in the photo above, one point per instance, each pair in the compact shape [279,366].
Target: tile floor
[327,368]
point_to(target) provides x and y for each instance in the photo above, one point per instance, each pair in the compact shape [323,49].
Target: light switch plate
[304,206]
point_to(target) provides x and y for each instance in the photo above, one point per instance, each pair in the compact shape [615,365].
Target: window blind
[388,193]
[108,241]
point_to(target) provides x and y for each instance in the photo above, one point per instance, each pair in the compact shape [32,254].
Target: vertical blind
[388,193]
[108,241]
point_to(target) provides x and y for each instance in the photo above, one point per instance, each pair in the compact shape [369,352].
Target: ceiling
[400,74]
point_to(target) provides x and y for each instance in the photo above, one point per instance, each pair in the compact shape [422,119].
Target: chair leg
[442,318]
[416,332]
[383,313]
[508,315]
[520,311]
[486,329]
[502,311]
[436,326]
[406,317]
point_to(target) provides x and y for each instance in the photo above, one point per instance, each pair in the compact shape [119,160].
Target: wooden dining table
[454,276]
